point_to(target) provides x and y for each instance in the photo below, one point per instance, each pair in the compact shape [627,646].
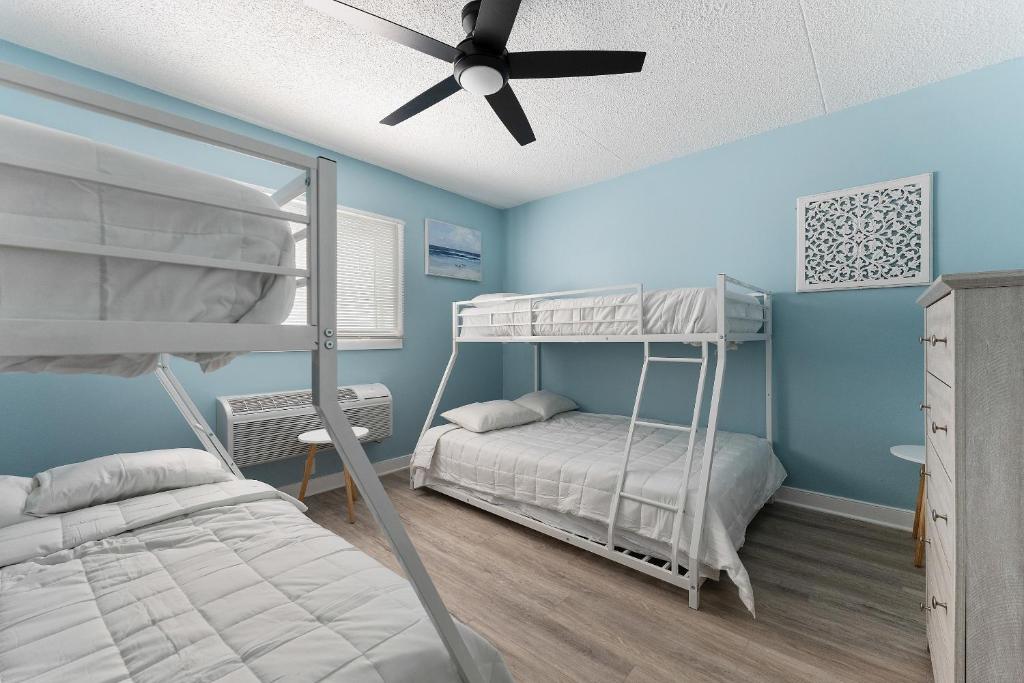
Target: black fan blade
[569,63]
[506,105]
[387,29]
[494,22]
[424,100]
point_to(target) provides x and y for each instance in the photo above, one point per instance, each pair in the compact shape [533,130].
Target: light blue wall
[46,420]
[848,366]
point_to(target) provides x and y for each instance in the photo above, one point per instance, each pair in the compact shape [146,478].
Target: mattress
[222,582]
[563,471]
[690,310]
[50,285]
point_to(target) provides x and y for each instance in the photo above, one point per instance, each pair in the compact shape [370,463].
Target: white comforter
[222,582]
[688,310]
[564,470]
[40,284]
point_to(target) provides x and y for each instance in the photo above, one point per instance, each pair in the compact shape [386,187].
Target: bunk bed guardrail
[318,179]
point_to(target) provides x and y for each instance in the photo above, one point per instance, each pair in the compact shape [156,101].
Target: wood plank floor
[837,600]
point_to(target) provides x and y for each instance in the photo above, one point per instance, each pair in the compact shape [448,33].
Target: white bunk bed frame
[726,289]
[317,178]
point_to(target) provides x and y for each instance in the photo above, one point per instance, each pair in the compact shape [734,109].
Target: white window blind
[370,274]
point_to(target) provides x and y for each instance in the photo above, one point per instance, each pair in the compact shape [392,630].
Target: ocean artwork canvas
[453,251]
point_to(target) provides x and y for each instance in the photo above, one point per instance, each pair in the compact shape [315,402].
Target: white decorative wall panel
[870,236]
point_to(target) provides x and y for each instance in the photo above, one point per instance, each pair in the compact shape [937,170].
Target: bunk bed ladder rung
[663,425]
[648,501]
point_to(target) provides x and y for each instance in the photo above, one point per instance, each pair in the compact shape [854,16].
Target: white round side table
[320,437]
[915,454]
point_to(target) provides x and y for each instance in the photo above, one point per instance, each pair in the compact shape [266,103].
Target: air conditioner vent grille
[264,428]
[282,401]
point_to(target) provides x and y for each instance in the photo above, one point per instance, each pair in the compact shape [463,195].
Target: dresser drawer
[940,510]
[940,604]
[940,423]
[939,339]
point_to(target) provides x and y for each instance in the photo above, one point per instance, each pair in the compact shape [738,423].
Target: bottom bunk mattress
[219,582]
[563,471]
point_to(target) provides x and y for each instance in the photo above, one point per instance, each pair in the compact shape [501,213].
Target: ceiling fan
[482,64]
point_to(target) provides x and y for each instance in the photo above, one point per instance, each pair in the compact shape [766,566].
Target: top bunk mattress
[686,310]
[66,286]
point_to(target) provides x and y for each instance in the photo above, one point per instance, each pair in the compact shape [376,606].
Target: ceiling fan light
[481,80]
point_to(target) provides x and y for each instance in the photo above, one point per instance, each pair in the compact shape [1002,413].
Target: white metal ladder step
[663,425]
[674,359]
[649,501]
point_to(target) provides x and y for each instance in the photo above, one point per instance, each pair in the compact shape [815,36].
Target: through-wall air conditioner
[260,428]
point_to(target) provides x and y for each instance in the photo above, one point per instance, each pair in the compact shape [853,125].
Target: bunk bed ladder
[672,566]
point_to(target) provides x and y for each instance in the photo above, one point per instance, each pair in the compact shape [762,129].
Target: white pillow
[13,492]
[482,300]
[120,476]
[547,404]
[490,415]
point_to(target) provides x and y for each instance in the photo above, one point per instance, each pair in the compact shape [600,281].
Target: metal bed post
[684,486]
[640,308]
[447,372]
[536,366]
[700,509]
[769,401]
[325,380]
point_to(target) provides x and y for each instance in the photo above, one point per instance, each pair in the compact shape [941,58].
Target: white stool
[915,454]
[320,437]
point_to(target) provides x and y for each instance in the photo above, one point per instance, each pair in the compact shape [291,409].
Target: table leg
[307,471]
[919,509]
[350,496]
[920,522]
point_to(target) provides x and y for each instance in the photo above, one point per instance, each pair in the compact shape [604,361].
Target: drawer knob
[923,407]
[936,603]
[933,340]
[937,428]
[925,608]
[936,517]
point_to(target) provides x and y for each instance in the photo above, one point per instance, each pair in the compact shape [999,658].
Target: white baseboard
[883,515]
[873,513]
[329,482]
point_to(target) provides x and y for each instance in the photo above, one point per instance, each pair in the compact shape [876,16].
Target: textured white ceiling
[716,71]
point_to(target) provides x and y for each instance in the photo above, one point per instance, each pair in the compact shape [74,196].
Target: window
[370,278]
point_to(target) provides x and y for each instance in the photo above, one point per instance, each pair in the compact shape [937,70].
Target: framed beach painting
[453,251]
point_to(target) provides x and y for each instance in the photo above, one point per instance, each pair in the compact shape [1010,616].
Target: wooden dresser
[974,507]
